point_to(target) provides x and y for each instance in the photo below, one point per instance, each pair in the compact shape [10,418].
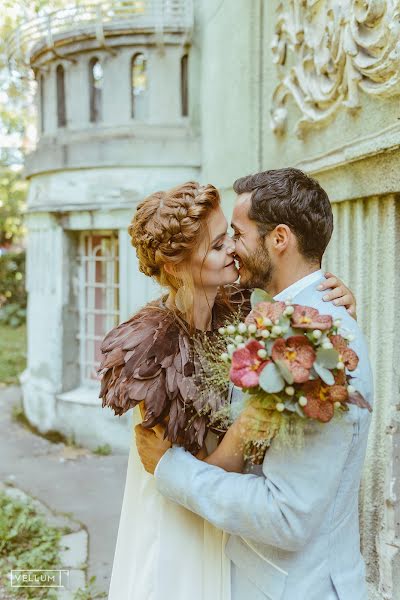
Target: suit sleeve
[284,507]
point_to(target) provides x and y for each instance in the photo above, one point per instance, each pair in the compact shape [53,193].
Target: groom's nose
[231,247]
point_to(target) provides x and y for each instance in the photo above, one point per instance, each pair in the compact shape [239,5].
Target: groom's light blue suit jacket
[294,525]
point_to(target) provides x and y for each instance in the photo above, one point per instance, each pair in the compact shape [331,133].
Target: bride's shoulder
[152,317]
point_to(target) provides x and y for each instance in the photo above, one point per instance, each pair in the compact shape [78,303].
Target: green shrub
[13,296]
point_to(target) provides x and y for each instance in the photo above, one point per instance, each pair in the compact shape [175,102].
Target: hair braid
[167,227]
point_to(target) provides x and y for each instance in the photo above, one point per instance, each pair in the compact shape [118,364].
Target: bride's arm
[229,454]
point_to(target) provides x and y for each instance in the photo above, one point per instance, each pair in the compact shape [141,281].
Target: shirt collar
[300,285]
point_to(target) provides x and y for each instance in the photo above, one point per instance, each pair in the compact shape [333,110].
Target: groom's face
[252,251]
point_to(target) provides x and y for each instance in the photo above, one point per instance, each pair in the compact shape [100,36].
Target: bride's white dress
[163,551]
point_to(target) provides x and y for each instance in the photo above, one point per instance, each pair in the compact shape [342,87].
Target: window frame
[87,310]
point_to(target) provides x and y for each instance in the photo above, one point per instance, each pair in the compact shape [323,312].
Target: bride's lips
[230,264]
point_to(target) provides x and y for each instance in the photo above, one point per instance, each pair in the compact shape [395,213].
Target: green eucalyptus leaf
[284,371]
[268,346]
[324,373]
[271,380]
[258,295]
[290,405]
[328,358]
[299,410]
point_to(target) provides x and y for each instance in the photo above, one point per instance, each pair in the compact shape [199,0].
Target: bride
[163,551]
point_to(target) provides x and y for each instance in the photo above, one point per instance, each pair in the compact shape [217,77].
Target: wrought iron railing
[99,19]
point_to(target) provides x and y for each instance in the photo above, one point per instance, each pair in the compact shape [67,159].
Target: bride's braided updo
[167,227]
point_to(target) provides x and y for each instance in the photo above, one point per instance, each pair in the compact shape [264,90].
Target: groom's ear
[281,237]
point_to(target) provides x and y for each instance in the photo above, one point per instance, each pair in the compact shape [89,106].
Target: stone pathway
[72,485]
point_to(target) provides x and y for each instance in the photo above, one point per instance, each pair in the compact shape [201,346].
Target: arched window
[96,89]
[41,101]
[184,86]
[139,86]
[61,111]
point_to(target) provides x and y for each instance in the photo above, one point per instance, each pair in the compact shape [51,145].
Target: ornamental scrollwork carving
[326,51]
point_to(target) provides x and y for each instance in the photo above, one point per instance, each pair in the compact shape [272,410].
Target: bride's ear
[168,269]
[172,270]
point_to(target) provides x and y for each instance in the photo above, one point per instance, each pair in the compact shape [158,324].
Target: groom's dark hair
[290,197]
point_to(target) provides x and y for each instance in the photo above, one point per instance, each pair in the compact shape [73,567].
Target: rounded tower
[115,122]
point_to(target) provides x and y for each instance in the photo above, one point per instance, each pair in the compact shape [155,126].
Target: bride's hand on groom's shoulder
[338,293]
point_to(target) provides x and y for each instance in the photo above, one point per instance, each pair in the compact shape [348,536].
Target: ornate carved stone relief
[326,51]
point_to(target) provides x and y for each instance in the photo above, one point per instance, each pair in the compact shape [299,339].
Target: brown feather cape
[150,358]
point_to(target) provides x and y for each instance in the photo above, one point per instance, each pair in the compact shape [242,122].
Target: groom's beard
[256,270]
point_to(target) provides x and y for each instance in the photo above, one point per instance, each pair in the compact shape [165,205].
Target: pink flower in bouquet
[346,354]
[298,355]
[247,365]
[305,317]
[265,310]
[321,399]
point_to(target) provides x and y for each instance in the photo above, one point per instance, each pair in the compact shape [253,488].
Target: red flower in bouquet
[298,355]
[247,365]
[305,317]
[346,354]
[321,398]
[265,310]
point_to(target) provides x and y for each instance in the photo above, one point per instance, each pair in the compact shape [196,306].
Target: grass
[12,353]
[90,592]
[26,542]
[103,450]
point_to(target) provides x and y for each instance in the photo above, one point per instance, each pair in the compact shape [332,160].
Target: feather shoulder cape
[150,358]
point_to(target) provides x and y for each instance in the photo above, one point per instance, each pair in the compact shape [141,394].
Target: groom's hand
[151,446]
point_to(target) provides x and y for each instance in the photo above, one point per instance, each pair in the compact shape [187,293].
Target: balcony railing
[99,19]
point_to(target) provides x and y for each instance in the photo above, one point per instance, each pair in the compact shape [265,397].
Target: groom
[294,526]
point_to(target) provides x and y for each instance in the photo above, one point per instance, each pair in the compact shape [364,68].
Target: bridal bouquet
[290,359]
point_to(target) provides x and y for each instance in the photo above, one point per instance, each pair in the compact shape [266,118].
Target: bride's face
[213,262]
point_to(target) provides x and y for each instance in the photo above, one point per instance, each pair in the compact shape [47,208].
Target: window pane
[96,89]
[184,86]
[61,111]
[99,297]
[42,102]
[139,85]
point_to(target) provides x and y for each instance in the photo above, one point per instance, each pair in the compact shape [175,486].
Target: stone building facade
[311,84]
